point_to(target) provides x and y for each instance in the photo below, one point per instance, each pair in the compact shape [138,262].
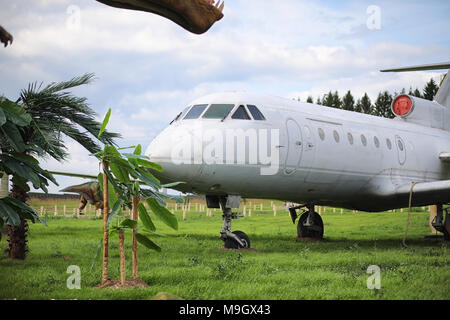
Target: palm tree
[55,114]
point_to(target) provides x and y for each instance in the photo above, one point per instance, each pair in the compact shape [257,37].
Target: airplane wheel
[230,243]
[314,231]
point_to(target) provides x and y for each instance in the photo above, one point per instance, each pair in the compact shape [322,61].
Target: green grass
[192,266]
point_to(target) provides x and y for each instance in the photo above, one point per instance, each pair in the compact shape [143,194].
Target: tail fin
[443,95]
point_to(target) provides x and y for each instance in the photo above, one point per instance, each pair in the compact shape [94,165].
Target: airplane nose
[163,150]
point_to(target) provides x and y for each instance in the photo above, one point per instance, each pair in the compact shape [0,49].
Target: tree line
[382,105]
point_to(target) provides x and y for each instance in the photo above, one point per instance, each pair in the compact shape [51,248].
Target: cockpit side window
[180,115]
[257,115]
[195,111]
[240,113]
[218,111]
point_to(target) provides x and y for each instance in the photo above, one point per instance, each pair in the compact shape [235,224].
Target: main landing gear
[439,224]
[235,239]
[310,224]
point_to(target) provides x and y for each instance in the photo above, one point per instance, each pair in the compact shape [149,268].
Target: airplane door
[294,147]
[401,149]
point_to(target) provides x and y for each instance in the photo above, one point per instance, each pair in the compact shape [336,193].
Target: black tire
[230,243]
[307,232]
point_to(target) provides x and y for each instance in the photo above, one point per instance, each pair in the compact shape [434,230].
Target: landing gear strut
[236,239]
[439,224]
[310,224]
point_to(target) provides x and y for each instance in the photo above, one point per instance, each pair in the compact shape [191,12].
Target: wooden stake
[122,256]
[135,203]
[105,220]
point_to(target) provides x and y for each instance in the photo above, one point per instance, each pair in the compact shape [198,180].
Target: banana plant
[122,183]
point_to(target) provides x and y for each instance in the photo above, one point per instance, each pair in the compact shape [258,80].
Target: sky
[147,68]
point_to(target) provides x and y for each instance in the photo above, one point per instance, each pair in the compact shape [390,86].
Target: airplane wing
[87,176]
[75,175]
[426,192]
[423,67]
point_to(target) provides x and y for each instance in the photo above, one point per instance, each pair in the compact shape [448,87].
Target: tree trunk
[122,256]
[18,234]
[134,245]
[105,220]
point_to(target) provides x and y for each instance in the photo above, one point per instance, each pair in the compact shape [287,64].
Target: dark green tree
[366,104]
[328,99]
[430,90]
[382,105]
[417,93]
[337,103]
[318,101]
[309,99]
[348,102]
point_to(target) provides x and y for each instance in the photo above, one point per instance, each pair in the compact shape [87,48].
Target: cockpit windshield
[195,111]
[218,111]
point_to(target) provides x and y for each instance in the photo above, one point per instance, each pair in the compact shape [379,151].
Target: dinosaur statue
[196,16]
[90,192]
[5,37]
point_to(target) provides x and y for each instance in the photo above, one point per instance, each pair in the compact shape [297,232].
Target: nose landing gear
[236,239]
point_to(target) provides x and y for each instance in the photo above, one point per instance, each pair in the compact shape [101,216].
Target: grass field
[193,266]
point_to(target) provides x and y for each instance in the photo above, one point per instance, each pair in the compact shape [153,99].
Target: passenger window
[196,111]
[400,145]
[350,138]
[240,113]
[389,144]
[377,142]
[363,140]
[336,136]
[218,111]
[257,115]
[321,134]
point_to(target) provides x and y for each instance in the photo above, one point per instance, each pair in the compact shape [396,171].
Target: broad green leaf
[142,239]
[119,172]
[145,217]
[163,213]
[138,150]
[128,223]
[149,164]
[27,212]
[13,136]
[2,117]
[116,210]
[15,113]
[105,123]
[24,157]
[8,214]
[173,184]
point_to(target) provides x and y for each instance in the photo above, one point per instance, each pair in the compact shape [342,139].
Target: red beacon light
[402,105]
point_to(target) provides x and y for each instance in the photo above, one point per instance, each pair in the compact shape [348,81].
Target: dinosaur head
[196,16]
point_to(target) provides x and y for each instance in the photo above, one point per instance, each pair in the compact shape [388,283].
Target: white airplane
[233,145]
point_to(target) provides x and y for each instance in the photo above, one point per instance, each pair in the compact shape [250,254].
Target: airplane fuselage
[301,152]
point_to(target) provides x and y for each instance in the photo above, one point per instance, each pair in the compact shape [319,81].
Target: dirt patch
[116,284]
